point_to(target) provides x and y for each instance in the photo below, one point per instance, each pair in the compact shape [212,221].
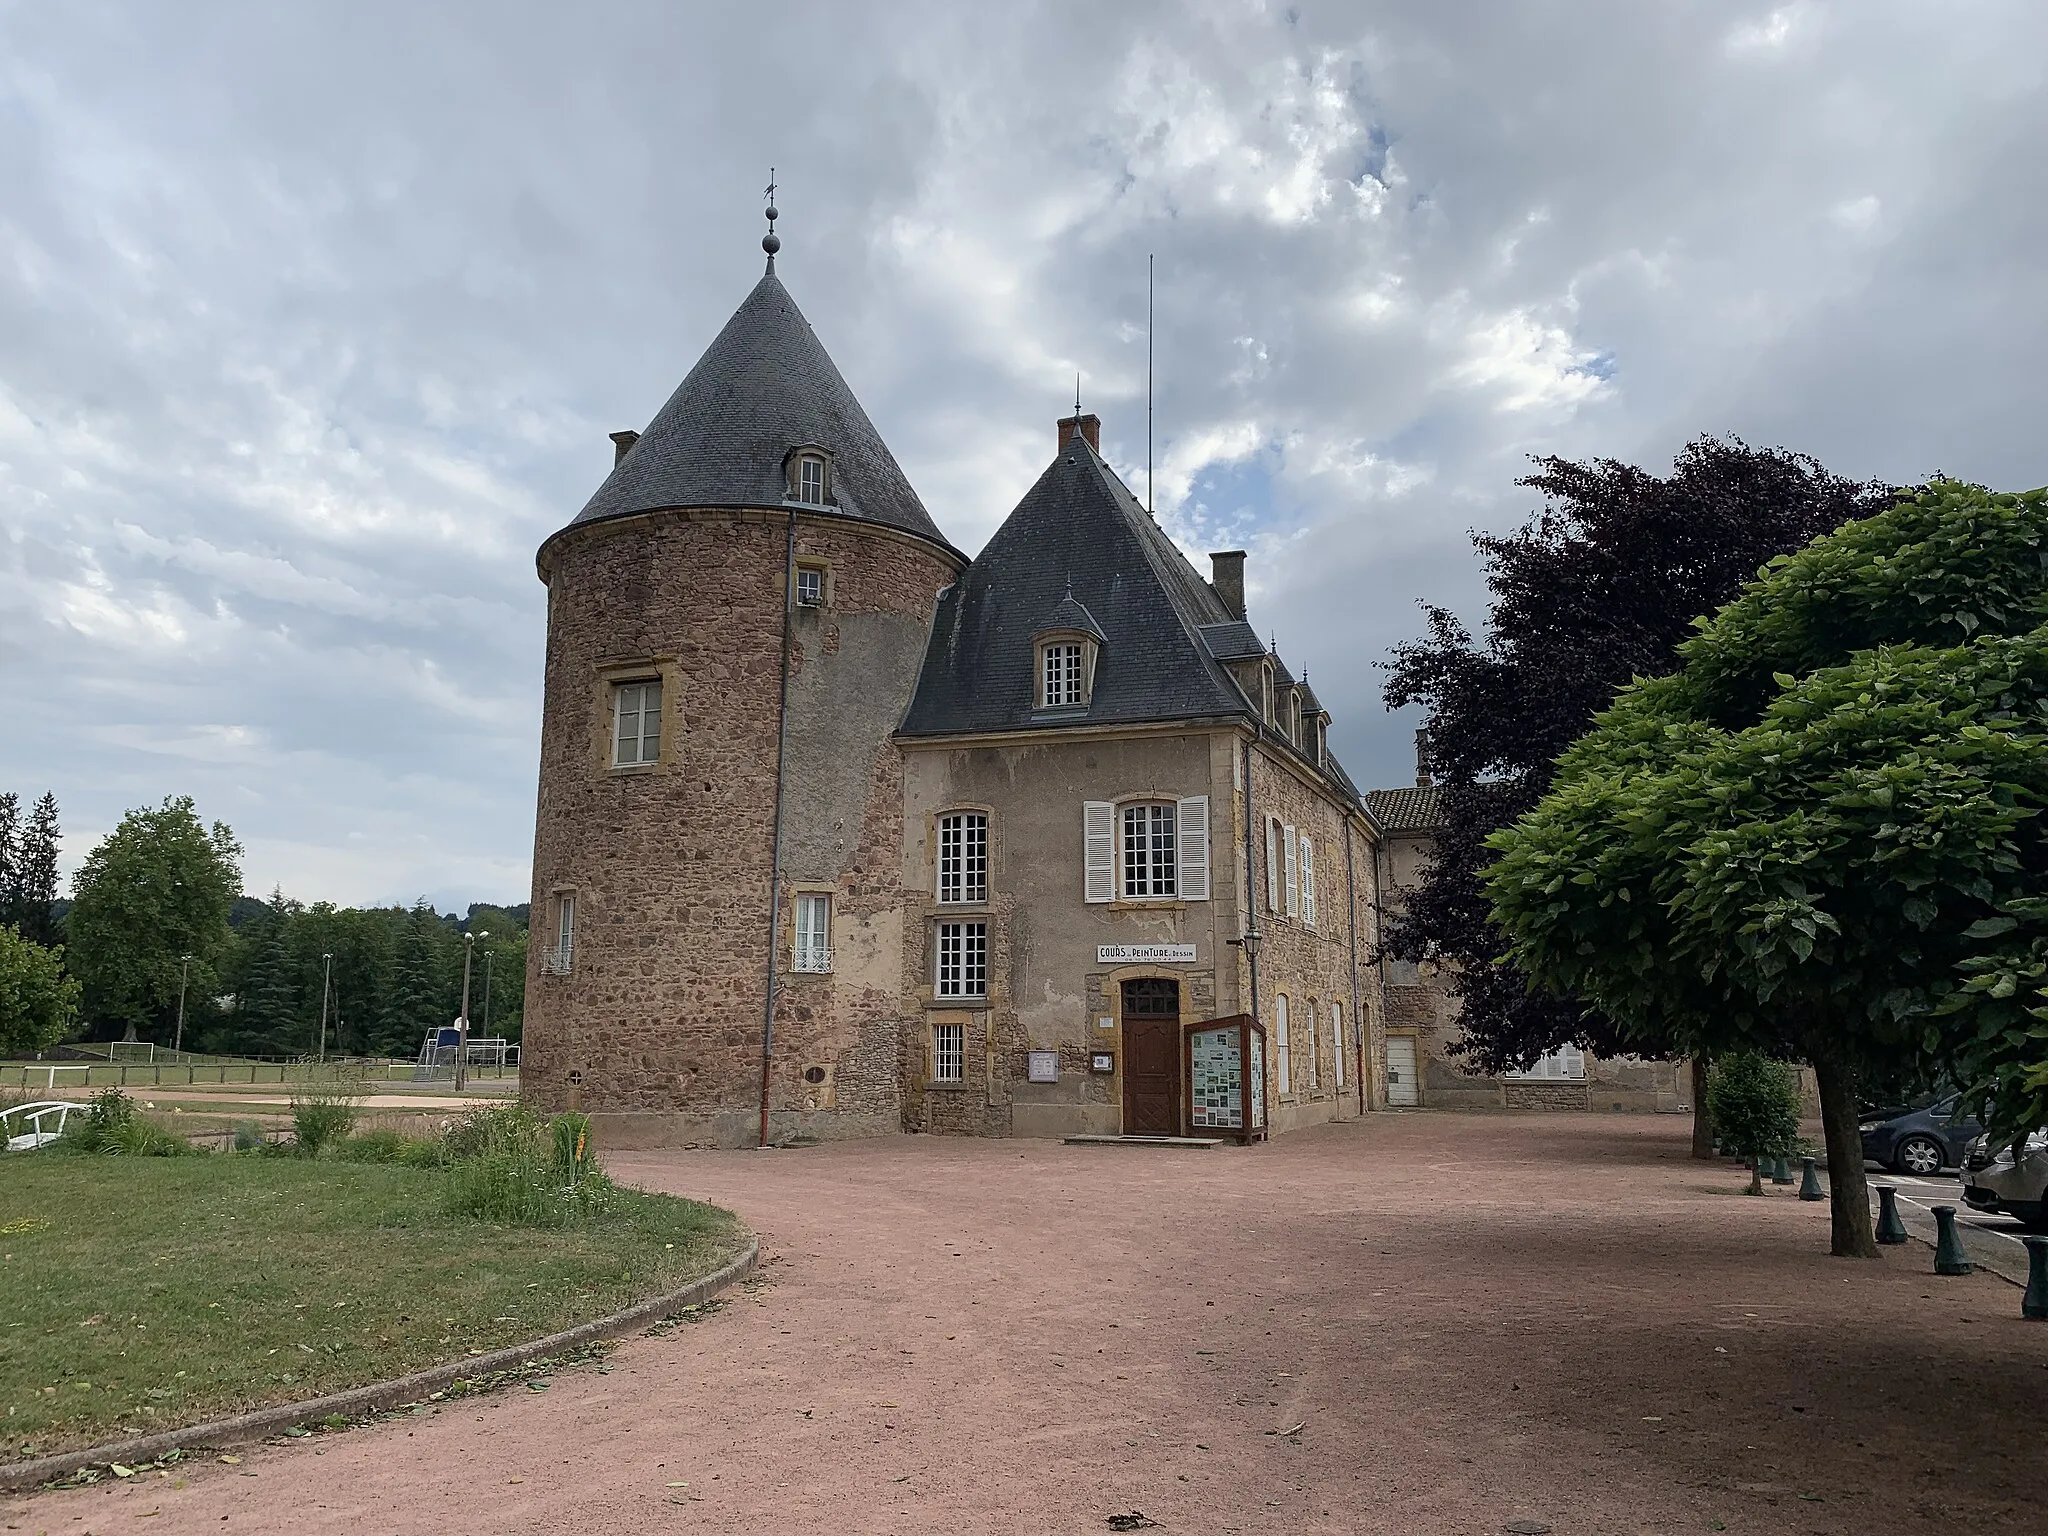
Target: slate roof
[1078,535]
[1416,809]
[763,387]
[1235,641]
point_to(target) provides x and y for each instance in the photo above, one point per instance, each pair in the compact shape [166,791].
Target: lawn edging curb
[379,1395]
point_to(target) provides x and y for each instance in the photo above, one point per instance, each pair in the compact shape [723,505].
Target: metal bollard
[1949,1258]
[2035,1303]
[1781,1170]
[1890,1230]
[1809,1181]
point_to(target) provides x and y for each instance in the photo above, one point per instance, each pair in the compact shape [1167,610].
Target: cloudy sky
[314,317]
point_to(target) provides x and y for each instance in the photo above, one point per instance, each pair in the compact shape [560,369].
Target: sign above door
[1144,954]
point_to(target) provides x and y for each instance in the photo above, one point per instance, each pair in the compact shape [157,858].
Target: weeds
[509,1165]
[325,1105]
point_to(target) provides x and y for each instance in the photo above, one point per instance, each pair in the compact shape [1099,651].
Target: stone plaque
[1042,1067]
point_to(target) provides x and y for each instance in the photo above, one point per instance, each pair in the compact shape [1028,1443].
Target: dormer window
[1294,717]
[1066,670]
[810,477]
[1266,694]
[1062,675]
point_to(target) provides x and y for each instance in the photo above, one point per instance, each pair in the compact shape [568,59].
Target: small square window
[636,724]
[810,587]
[949,1052]
[963,960]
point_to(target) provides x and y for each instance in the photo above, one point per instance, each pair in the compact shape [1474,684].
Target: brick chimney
[1226,579]
[622,444]
[1090,427]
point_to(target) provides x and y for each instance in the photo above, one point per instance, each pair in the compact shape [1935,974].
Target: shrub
[325,1105]
[1754,1104]
[508,1165]
[136,1137]
[106,1112]
[372,1147]
[249,1136]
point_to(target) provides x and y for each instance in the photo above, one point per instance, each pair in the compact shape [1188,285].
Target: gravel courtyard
[1420,1323]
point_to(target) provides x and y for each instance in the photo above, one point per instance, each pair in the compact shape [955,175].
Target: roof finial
[1077,397]
[770,242]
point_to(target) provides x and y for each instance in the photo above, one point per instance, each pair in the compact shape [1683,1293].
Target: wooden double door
[1152,1056]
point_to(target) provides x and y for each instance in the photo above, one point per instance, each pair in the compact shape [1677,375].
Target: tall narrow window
[963,960]
[636,724]
[1293,850]
[1272,864]
[565,934]
[949,1052]
[1314,1043]
[1149,868]
[813,932]
[1266,694]
[1337,1048]
[1308,881]
[1061,676]
[810,479]
[1283,1046]
[963,857]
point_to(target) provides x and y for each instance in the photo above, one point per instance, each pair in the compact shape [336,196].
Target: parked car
[1920,1141]
[2009,1186]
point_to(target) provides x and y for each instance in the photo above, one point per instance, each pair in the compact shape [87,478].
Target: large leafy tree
[1821,838]
[1598,588]
[156,888]
[38,1002]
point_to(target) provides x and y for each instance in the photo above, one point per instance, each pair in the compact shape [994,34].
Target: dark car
[1920,1141]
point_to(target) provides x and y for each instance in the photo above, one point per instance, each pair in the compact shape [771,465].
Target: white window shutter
[1098,836]
[1293,871]
[1191,839]
[1272,865]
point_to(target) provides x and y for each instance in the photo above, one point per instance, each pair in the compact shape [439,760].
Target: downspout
[1251,908]
[775,862]
[1351,925]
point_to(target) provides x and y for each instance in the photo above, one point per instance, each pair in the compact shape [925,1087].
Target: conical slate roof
[765,386]
[1077,541]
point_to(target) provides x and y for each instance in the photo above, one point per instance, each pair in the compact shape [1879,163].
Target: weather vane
[770,242]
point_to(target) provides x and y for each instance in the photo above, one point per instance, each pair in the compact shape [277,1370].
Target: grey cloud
[313,320]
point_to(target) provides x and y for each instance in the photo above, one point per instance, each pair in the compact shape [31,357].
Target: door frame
[1113,983]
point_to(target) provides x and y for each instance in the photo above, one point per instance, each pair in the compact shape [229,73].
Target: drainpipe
[775,864]
[1351,927]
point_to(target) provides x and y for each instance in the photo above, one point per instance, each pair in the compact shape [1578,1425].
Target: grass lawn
[139,1293]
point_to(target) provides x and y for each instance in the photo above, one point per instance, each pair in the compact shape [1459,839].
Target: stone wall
[657,1028]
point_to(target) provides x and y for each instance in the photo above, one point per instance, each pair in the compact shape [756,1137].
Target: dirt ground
[1424,1323]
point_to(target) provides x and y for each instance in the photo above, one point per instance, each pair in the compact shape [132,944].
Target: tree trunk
[1702,1123]
[1756,1177]
[1848,1189]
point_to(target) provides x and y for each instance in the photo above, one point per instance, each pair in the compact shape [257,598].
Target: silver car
[2011,1186]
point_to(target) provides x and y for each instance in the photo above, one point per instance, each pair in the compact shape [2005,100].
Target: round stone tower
[735,624]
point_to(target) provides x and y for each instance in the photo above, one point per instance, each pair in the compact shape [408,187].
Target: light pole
[326,983]
[462,1023]
[184,972]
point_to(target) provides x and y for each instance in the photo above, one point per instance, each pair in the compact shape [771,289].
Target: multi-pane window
[963,960]
[810,479]
[565,934]
[963,857]
[813,932]
[1337,1039]
[1061,675]
[1308,882]
[1283,1046]
[810,587]
[636,724]
[1148,850]
[949,1052]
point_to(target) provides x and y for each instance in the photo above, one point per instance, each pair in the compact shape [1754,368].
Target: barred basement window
[636,724]
[1060,676]
[963,960]
[1148,850]
[963,857]
[949,1052]
[813,932]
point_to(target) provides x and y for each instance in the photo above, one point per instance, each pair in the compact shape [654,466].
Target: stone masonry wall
[660,1018]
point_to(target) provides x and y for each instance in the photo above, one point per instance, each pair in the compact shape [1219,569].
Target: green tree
[269,1012]
[415,1002]
[32,876]
[1823,832]
[156,888]
[1754,1102]
[38,1002]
